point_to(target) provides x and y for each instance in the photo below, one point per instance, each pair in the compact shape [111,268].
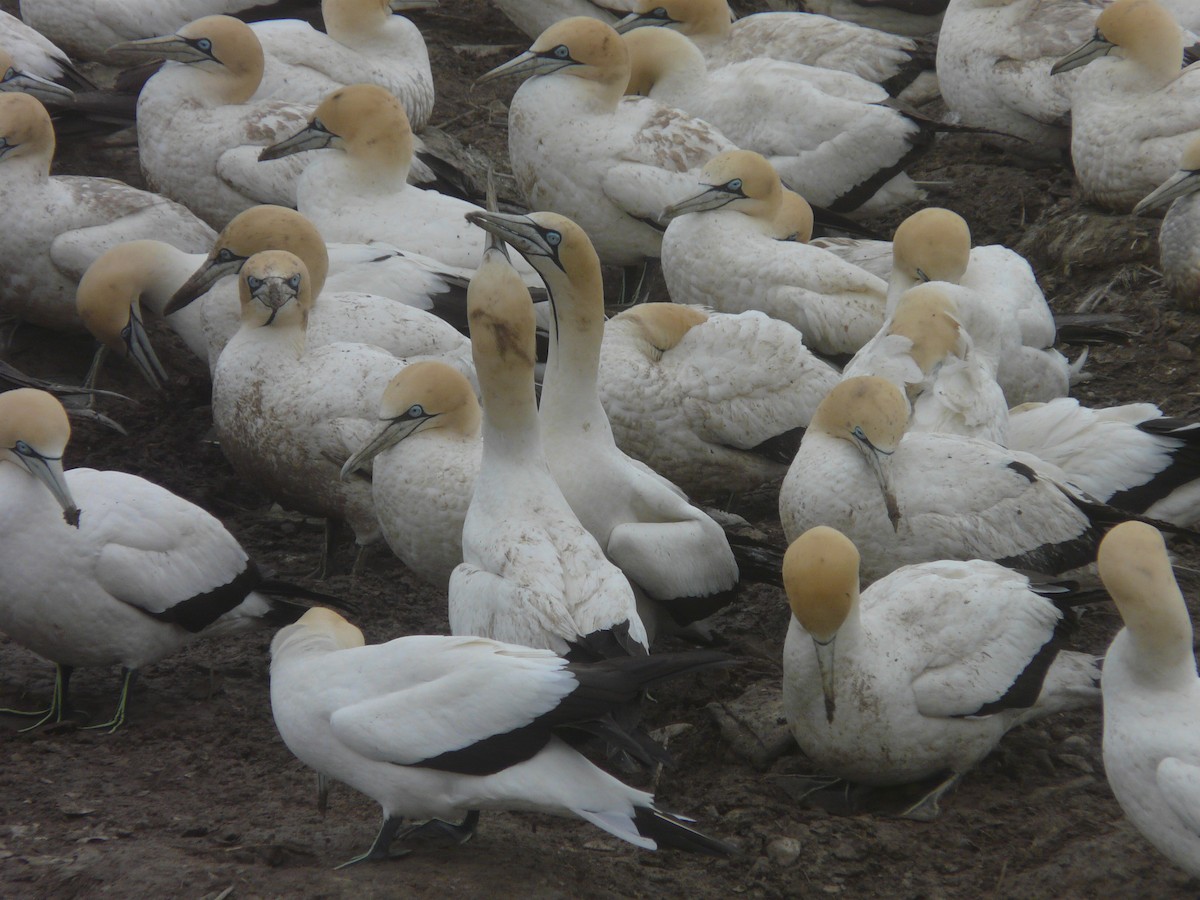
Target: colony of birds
[390,351]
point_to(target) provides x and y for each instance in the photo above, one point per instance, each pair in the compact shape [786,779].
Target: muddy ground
[198,797]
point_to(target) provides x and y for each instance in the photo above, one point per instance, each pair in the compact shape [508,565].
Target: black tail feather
[758,562]
[668,831]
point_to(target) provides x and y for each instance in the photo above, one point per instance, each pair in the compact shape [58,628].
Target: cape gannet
[670,550]
[794,220]
[1179,237]
[33,65]
[489,716]
[1133,112]
[132,574]
[802,118]
[359,192]
[425,453]
[53,221]
[1151,696]
[922,674]
[721,249]
[580,150]
[815,40]
[717,401]
[911,17]
[859,470]
[531,572]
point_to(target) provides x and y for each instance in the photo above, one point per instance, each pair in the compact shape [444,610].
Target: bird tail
[668,830]
[282,596]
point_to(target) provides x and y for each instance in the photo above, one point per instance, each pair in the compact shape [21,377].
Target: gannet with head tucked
[861,471]
[443,727]
[50,221]
[667,548]
[1133,112]
[721,249]
[1179,237]
[925,672]
[132,574]
[358,191]
[718,401]
[804,119]
[814,40]
[580,150]
[531,572]
[1152,696]
[424,451]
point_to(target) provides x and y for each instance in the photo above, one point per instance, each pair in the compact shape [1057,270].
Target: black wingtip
[668,831]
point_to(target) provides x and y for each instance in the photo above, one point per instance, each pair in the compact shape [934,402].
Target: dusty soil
[197,795]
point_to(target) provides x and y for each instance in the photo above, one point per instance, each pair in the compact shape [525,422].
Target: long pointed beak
[313,137]
[140,351]
[274,293]
[210,271]
[6,147]
[712,198]
[410,5]
[519,231]
[526,65]
[49,471]
[1178,185]
[1084,54]
[43,89]
[825,663]
[391,433]
[168,46]
[877,461]
[638,20]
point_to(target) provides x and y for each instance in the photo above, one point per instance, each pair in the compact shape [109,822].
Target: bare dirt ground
[198,797]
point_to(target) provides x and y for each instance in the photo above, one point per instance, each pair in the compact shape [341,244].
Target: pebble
[783,851]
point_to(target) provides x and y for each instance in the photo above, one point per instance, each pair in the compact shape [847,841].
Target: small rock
[1176,350]
[783,851]
[847,852]
[1076,762]
[1076,743]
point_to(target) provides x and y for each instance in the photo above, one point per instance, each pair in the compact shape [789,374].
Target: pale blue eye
[553,238]
[204,44]
[253,283]
[294,281]
[735,185]
[562,51]
[415,411]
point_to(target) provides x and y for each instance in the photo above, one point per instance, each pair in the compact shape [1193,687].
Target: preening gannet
[433,726]
[923,673]
[1179,237]
[132,574]
[1152,696]
[531,572]
[51,222]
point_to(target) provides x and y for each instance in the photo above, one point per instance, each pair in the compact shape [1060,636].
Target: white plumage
[1179,237]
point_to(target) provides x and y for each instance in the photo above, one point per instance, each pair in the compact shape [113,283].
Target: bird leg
[379,849]
[328,549]
[58,701]
[636,282]
[322,793]
[360,560]
[926,808]
[437,828]
[118,719]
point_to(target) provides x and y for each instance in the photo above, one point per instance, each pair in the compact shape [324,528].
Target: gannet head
[736,179]
[424,396]
[322,622]
[554,245]
[703,18]
[26,131]
[258,228]
[820,575]
[34,431]
[1136,571]
[928,316]
[582,47]
[109,303]
[274,290]
[218,45]
[365,17]
[794,221]
[365,121]
[932,245]
[655,53]
[1185,181]
[663,325]
[13,78]
[1141,31]
[871,414]
[501,320]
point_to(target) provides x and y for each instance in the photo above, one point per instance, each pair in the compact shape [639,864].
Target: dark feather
[668,831]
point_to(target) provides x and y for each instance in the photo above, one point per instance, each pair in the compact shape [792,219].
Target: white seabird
[1179,237]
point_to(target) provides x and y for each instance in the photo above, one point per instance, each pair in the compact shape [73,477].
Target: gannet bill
[1179,237]
[925,672]
[14,77]
[489,717]
[424,453]
[721,249]
[132,574]
[668,549]
[1133,112]
[1151,696]
[34,57]
[51,221]
[531,573]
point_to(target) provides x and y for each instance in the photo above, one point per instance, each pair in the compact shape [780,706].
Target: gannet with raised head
[859,470]
[52,221]
[1151,696]
[132,574]
[668,549]
[800,117]
[721,249]
[1133,112]
[433,726]
[1179,237]
[531,572]
[718,401]
[924,673]
[580,150]
[424,451]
